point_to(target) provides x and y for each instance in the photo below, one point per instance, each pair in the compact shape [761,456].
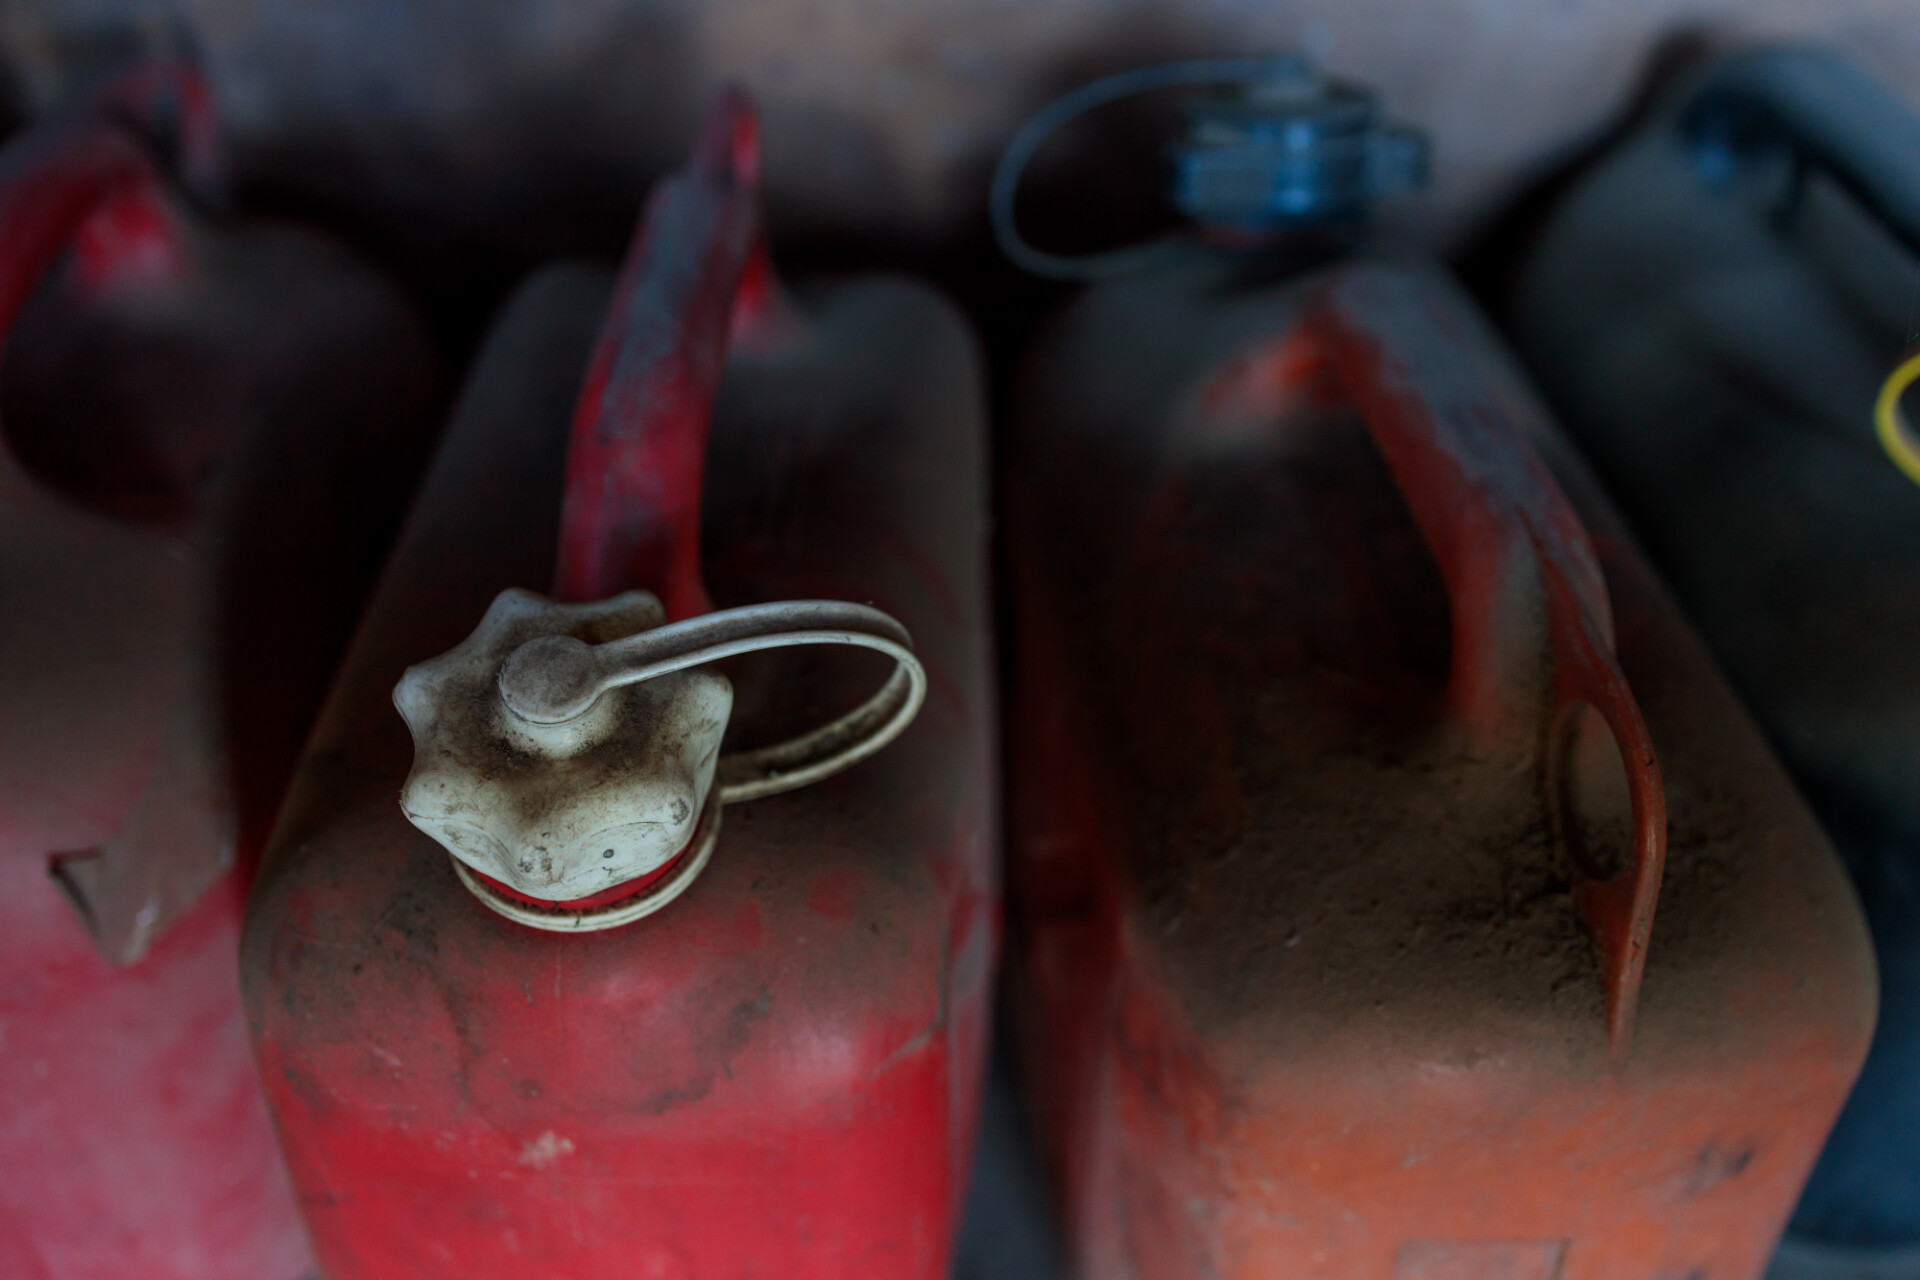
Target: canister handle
[51,182]
[53,179]
[1532,633]
[169,102]
[636,460]
[1826,113]
[697,276]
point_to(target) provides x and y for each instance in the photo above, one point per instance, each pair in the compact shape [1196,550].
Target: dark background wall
[532,126]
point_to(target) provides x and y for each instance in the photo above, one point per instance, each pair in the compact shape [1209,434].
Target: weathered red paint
[778,1074]
[1314,981]
[632,510]
[169,466]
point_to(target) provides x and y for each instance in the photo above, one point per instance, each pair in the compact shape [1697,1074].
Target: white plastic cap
[561,811]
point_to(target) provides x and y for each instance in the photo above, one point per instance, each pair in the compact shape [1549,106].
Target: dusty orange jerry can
[1716,310]
[538,994]
[210,430]
[1399,894]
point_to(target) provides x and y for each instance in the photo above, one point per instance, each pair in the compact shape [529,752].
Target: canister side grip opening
[1534,670]
[1589,800]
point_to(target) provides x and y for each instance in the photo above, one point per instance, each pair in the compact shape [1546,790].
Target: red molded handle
[60,182]
[51,183]
[631,513]
[169,100]
[84,184]
[1532,632]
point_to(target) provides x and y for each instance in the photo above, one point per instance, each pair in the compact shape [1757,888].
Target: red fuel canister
[1399,892]
[1715,307]
[482,1061]
[209,432]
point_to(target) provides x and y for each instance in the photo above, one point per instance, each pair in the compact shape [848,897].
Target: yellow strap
[1896,434]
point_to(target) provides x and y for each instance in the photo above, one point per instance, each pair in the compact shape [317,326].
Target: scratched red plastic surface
[133,1140]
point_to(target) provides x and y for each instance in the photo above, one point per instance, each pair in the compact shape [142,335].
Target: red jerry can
[482,1061]
[209,434]
[1399,891]
[1717,307]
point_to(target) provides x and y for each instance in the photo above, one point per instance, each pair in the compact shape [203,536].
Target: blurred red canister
[1399,891]
[210,429]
